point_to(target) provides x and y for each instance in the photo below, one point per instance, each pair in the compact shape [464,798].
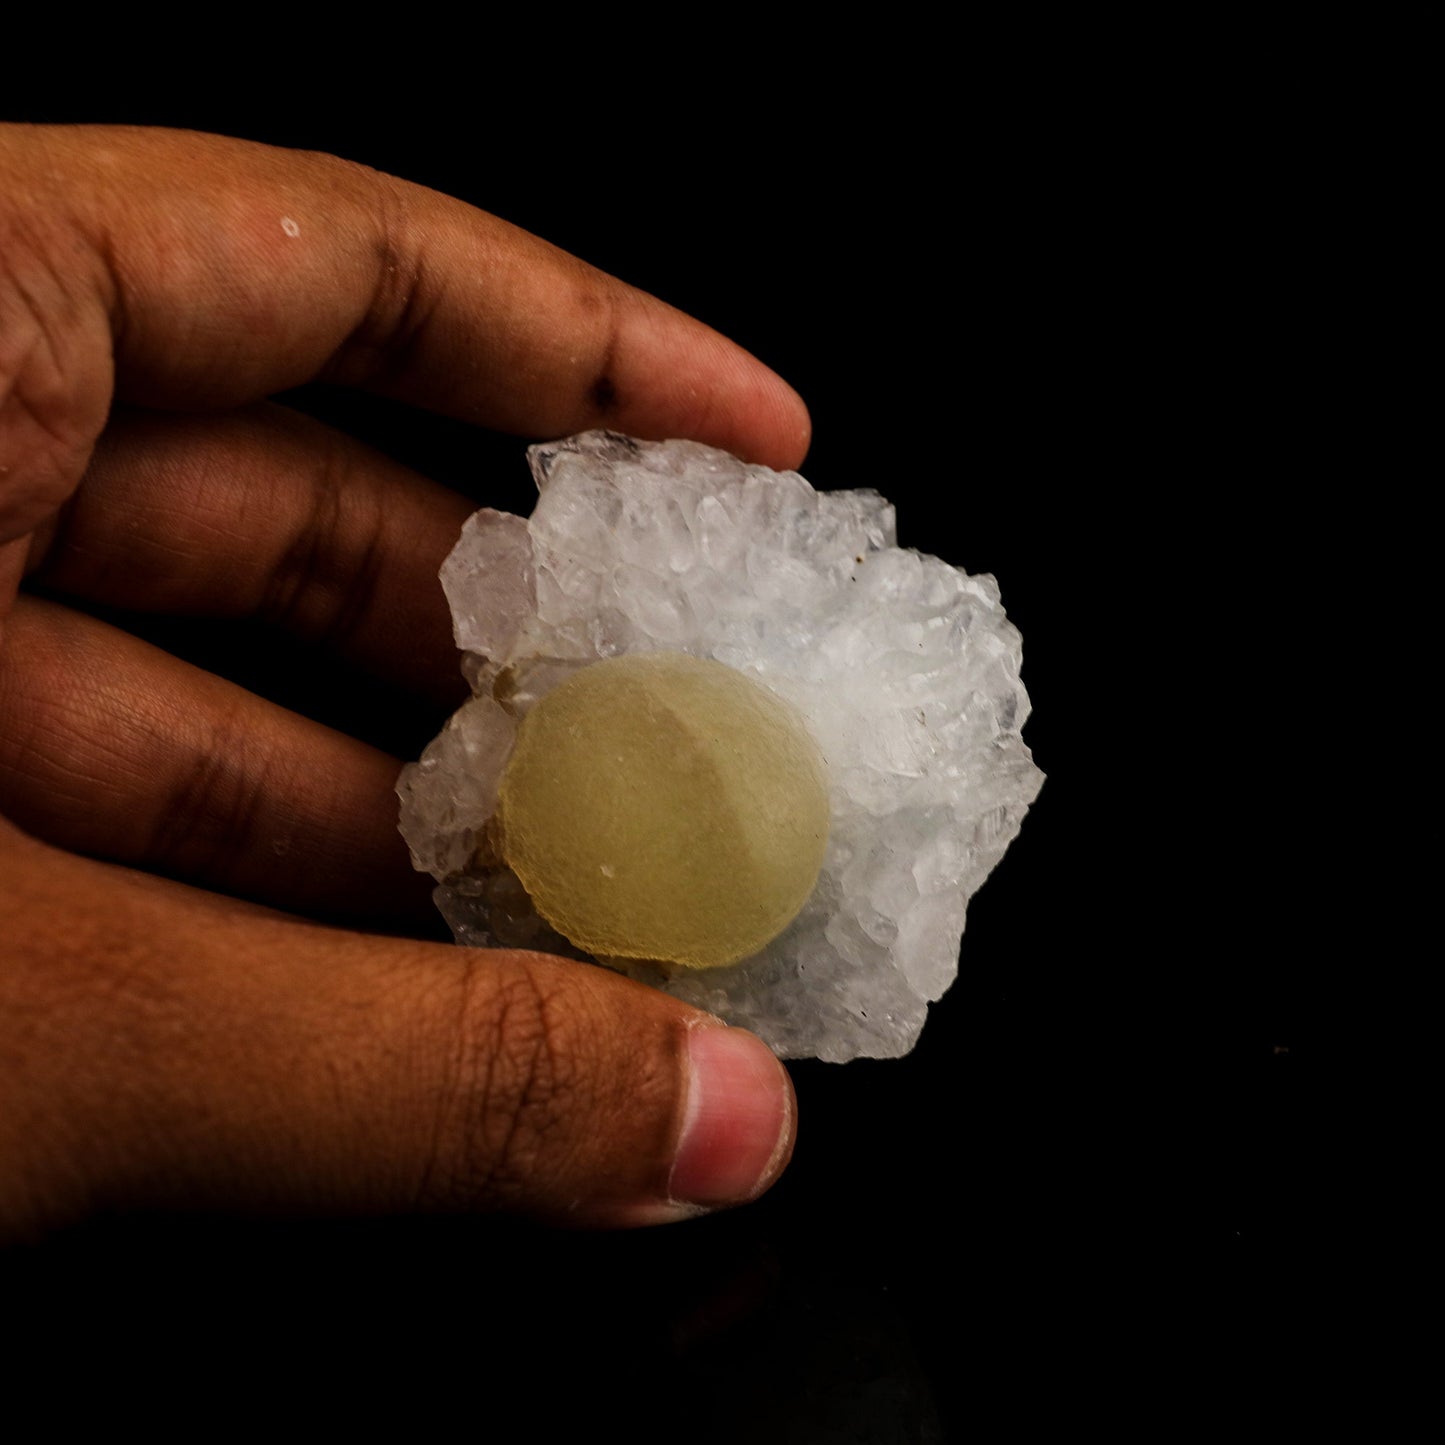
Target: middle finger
[266,514]
[111,747]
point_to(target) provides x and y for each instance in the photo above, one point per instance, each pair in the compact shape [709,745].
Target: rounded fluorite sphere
[660,806]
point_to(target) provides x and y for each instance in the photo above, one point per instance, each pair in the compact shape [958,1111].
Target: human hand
[175,1026]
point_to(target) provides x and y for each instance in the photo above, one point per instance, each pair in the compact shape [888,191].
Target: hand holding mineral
[182,1020]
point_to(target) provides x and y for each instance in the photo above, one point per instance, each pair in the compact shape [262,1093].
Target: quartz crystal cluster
[903,669]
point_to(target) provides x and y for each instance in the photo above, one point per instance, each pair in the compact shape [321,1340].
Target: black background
[1050,325]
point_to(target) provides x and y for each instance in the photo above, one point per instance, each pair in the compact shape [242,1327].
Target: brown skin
[164,1044]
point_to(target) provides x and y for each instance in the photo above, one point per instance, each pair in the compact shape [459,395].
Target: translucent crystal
[903,669]
[664,807]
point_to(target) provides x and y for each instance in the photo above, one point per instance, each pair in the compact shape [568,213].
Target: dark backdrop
[1035,329]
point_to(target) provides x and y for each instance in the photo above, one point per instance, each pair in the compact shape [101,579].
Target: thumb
[180,1049]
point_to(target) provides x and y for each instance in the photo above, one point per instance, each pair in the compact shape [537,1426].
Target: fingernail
[737,1132]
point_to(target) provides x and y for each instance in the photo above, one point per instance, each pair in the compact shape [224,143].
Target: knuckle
[606,316]
[404,296]
[519,1089]
[55,377]
[325,583]
[295,573]
[210,817]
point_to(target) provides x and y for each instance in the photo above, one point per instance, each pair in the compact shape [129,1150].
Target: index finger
[218,271]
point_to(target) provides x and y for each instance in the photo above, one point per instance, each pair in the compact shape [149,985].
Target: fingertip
[749,409]
[671,376]
[739,1122]
[788,426]
[767,419]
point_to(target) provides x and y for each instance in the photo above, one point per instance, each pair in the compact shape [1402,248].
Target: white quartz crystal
[904,668]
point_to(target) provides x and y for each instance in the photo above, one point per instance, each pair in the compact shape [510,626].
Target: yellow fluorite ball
[660,806]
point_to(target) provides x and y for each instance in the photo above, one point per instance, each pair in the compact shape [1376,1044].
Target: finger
[169,1048]
[13,560]
[265,514]
[111,747]
[213,272]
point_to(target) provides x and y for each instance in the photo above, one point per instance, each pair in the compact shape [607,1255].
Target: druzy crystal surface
[904,670]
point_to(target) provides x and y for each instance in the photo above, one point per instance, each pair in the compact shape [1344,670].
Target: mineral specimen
[903,670]
[663,807]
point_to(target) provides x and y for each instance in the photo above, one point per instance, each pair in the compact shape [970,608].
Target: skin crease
[182,1022]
